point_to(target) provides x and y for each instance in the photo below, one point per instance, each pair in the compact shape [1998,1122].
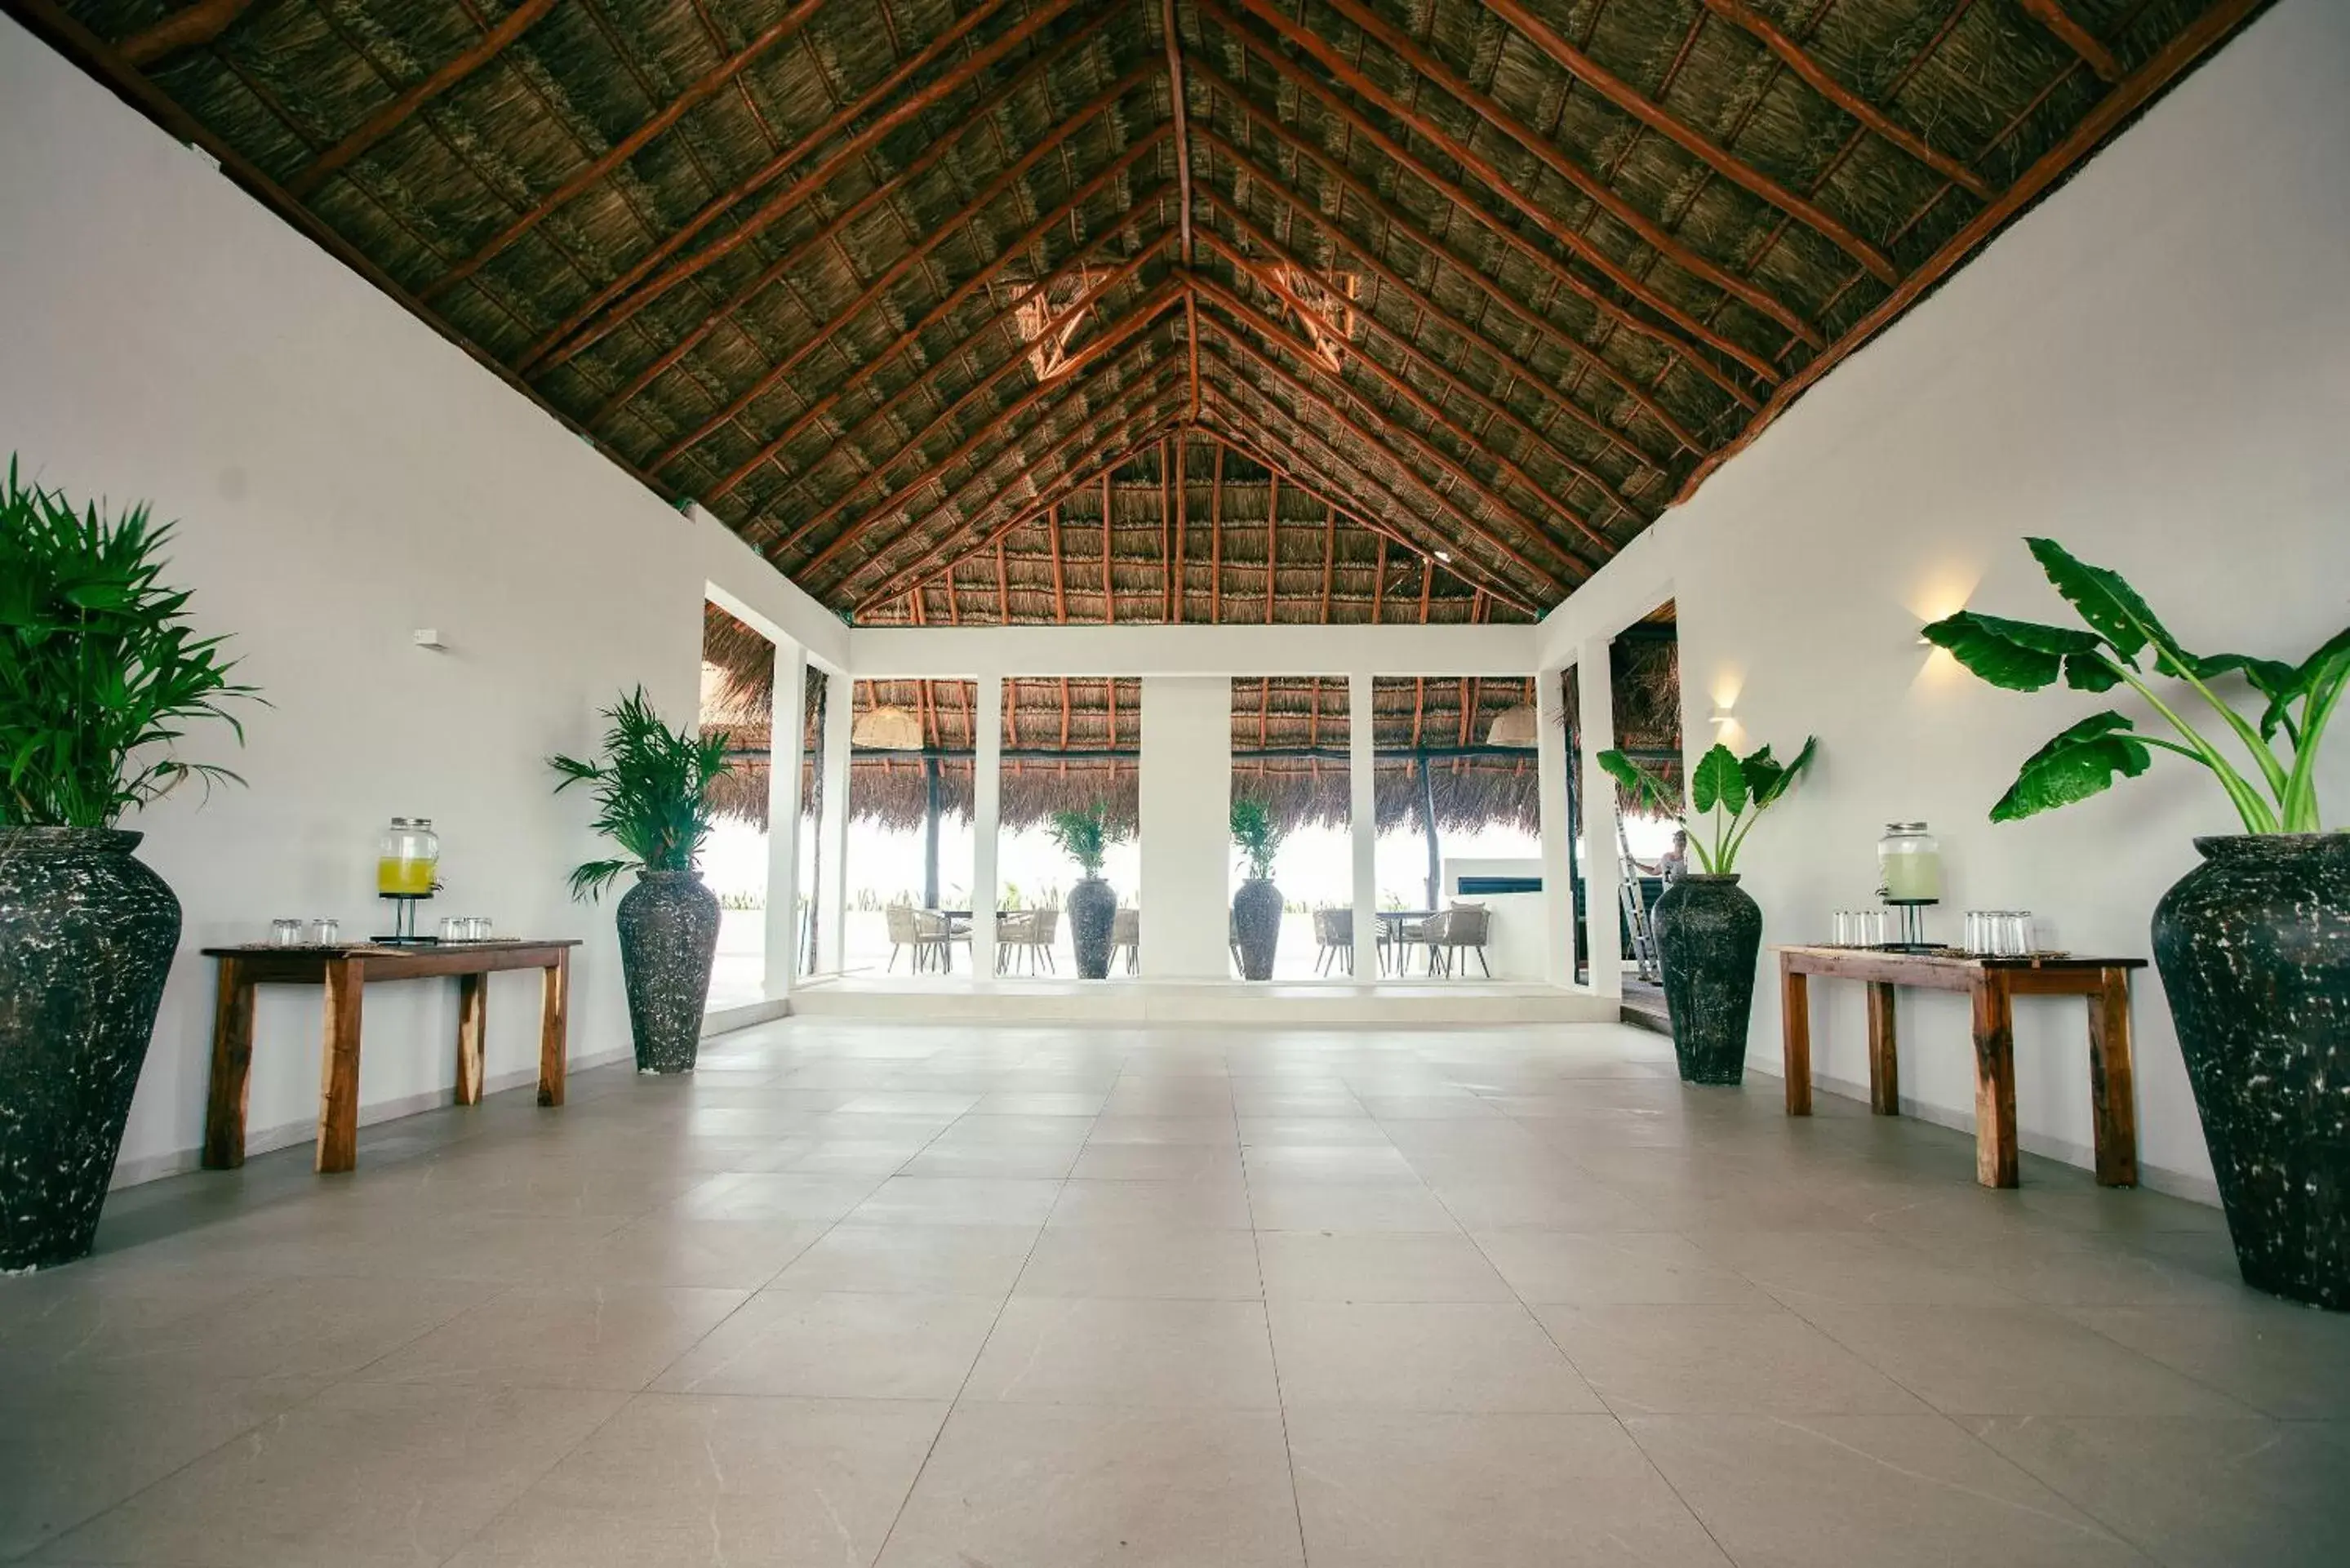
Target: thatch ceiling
[886,284]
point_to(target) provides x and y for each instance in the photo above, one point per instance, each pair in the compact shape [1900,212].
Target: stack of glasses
[1999,933]
[1859,929]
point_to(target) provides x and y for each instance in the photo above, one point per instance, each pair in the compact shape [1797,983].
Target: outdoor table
[343,971]
[1391,925]
[1993,983]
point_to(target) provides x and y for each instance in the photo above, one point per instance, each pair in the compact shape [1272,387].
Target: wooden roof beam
[2052,14]
[1182,113]
[1140,316]
[1255,321]
[789,200]
[393,115]
[1812,74]
[1344,71]
[1265,278]
[698,91]
[766,175]
[190,28]
[1145,204]
[794,259]
[1625,97]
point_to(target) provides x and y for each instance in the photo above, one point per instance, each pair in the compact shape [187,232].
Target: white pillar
[1551,764]
[1363,824]
[1603,927]
[1186,846]
[986,812]
[783,820]
[832,893]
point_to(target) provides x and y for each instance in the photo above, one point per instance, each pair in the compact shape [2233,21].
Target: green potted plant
[2253,944]
[1709,930]
[1256,906]
[653,789]
[1084,834]
[101,673]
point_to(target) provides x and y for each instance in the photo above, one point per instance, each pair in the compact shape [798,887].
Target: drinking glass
[2019,933]
[1840,926]
[478,928]
[450,926]
[326,932]
[285,933]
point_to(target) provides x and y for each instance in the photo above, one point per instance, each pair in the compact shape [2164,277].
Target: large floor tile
[1376,1490]
[1377,1266]
[1605,1268]
[1293,1205]
[362,1474]
[1144,1205]
[1177,1262]
[2277,1356]
[1892,1491]
[677,1478]
[1073,1486]
[922,1260]
[1178,1354]
[850,1345]
[958,1201]
[587,1336]
[1718,1360]
[1420,1355]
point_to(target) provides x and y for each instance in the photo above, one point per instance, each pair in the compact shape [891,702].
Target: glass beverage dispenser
[1909,877]
[407,867]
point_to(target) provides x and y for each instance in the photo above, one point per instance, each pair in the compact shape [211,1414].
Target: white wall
[2153,366]
[1186,826]
[341,476]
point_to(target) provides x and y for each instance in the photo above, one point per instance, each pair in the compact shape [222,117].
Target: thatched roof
[888,282]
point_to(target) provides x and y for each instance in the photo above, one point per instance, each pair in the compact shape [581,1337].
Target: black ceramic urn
[669,936]
[1093,920]
[1256,926]
[1709,935]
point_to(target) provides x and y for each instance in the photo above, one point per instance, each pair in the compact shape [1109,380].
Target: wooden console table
[344,972]
[1993,983]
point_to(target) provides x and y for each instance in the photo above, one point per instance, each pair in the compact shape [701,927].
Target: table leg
[1884,1058]
[554,1028]
[1795,1036]
[2113,1081]
[338,1075]
[1994,1011]
[231,1082]
[472,1030]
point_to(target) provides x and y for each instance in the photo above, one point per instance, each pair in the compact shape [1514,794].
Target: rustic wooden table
[344,972]
[1993,983]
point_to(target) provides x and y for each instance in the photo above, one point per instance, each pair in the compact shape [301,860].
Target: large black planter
[87,935]
[1093,920]
[669,935]
[1256,926]
[1709,934]
[2254,949]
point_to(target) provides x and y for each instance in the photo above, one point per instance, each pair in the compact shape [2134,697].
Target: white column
[987,811]
[1186,847]
[1551,764]
[1603,926]
[783,819]
[1363,825]
[832,895]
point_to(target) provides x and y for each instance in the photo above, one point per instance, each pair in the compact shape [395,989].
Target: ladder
[1635,911]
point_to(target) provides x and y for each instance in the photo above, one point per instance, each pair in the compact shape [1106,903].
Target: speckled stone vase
[1709,934]
[2254,949]
[1256,926]
[669,935]
[1093,918]
[86,934]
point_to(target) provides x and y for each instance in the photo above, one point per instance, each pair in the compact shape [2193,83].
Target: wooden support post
[1794,1034]
[231,1082]
[2113,1080]
[1994,1032]
[1109,579]
[1216,540]
[1884,1055]
[473,1035]
[338,1075]
[554,1022]
[1271,545]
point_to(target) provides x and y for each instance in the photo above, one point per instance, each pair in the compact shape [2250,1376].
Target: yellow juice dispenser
[1909,874]
[407,867]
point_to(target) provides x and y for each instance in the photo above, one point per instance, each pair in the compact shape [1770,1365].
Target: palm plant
[1259,836]
[1084,834]
[100,672]
[2027,656]
[1733,791]
[653,793]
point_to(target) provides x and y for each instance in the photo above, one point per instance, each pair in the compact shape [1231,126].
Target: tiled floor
[1016,1298]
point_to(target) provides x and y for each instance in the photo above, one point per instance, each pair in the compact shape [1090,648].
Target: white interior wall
[2153,366]
[1186,826]
[342,477]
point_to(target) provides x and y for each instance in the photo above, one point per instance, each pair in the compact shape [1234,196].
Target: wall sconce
[1721,716]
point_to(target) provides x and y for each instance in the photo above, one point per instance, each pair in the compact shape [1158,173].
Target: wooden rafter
[190,27]
[396,113]
[1354,81]
[1272,545]
[1110,556]
[1144,205]
[1216,539]
[1722,162]
[1180,111]
[703,88]
[2191,42]
[1814,75]
[1181,591]
[2052,14]
[791,262]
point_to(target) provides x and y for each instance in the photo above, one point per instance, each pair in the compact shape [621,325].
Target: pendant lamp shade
[1518,726]
[888,730]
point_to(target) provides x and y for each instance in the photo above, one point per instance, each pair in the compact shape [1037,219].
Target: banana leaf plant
[2123,643]
[1732,791]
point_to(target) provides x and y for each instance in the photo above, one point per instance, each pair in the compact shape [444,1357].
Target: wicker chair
[938,934]
[1408,934]
[1014,934]
[1044,930]
[1125,936]
[1463,928]
[1335,930]
[899,920]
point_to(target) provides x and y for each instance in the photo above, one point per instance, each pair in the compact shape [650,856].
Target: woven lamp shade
[888,730]
[1518,726]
